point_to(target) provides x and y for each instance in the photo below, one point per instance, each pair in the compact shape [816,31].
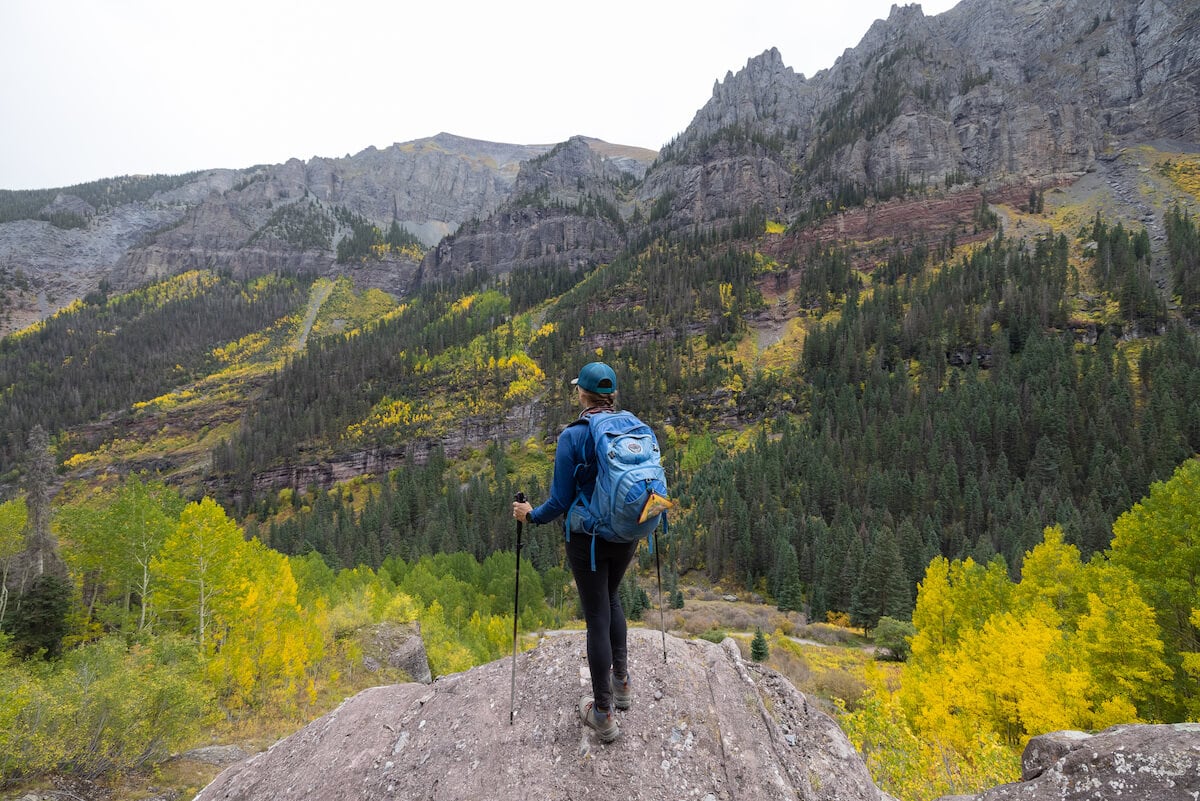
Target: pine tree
[882,588]
[759,650]
[40,621]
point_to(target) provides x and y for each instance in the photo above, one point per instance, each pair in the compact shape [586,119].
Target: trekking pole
[662,620]
[512,699]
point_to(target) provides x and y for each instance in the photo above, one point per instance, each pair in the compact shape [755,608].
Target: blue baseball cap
[597,377]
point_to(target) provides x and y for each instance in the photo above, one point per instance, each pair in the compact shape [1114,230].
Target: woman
[575,474]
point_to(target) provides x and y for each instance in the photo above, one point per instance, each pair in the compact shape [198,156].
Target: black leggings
[606,630]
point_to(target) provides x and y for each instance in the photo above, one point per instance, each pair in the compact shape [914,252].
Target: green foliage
[339,379]
[89,361]
[111,540]
[418,510]
[759,650]
[882,589]
[1183,247]
[894,636]
[634,600]
[38,621]
[1156,542]
[398,237]
[1122,268]
[366,242]
[303,224]
[465,606]
[104,708]
[976,460]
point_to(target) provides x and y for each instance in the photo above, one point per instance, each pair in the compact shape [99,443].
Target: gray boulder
[1122,763]
[397,645]
[703,724]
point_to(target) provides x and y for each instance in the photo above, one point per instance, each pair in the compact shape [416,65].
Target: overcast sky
[98,88]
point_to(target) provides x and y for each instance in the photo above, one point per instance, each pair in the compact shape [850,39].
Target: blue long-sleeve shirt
[574,473]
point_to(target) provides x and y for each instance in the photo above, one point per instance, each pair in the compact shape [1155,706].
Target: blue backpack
[630,498]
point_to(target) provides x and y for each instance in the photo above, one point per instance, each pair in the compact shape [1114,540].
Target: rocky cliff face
[990,91]
[216,221]
[568,209]
[429,186]
[704,725]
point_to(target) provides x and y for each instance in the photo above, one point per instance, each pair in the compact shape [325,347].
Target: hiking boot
[622,695]
[603,722]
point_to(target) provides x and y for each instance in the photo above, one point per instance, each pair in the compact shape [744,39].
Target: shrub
[841,685]
[102,709]
[895,637]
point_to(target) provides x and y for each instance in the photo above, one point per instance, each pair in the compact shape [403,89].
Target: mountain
[932,309]
[568,208]
[252,221]
[932,129]
[988,92]
[922,103]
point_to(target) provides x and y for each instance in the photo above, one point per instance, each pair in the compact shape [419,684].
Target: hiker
[575,474]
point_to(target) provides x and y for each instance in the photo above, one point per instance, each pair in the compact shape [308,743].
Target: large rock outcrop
[567,210]
[219,219]
[429,186]
[1123,763]
[990,91]
[705,725]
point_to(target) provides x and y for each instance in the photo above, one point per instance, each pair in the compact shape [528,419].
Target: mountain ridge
[919,102]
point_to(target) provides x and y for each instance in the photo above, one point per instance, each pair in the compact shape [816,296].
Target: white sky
[98,88]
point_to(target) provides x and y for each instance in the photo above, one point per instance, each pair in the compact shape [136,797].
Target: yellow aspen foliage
[544,331]
[400,608]
[1118,641]
[1053,574]
[952,598]
[726,296]
[1070,646]
[915,768]
[268,643]
[199,571]
[499,633]
[445,652]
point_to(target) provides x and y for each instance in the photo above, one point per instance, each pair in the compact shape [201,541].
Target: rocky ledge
[704,725]
[1122,763]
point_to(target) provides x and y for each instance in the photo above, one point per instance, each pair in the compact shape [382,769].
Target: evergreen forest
[992,443]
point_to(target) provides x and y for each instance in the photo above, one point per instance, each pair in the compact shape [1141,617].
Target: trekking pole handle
[519,498]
